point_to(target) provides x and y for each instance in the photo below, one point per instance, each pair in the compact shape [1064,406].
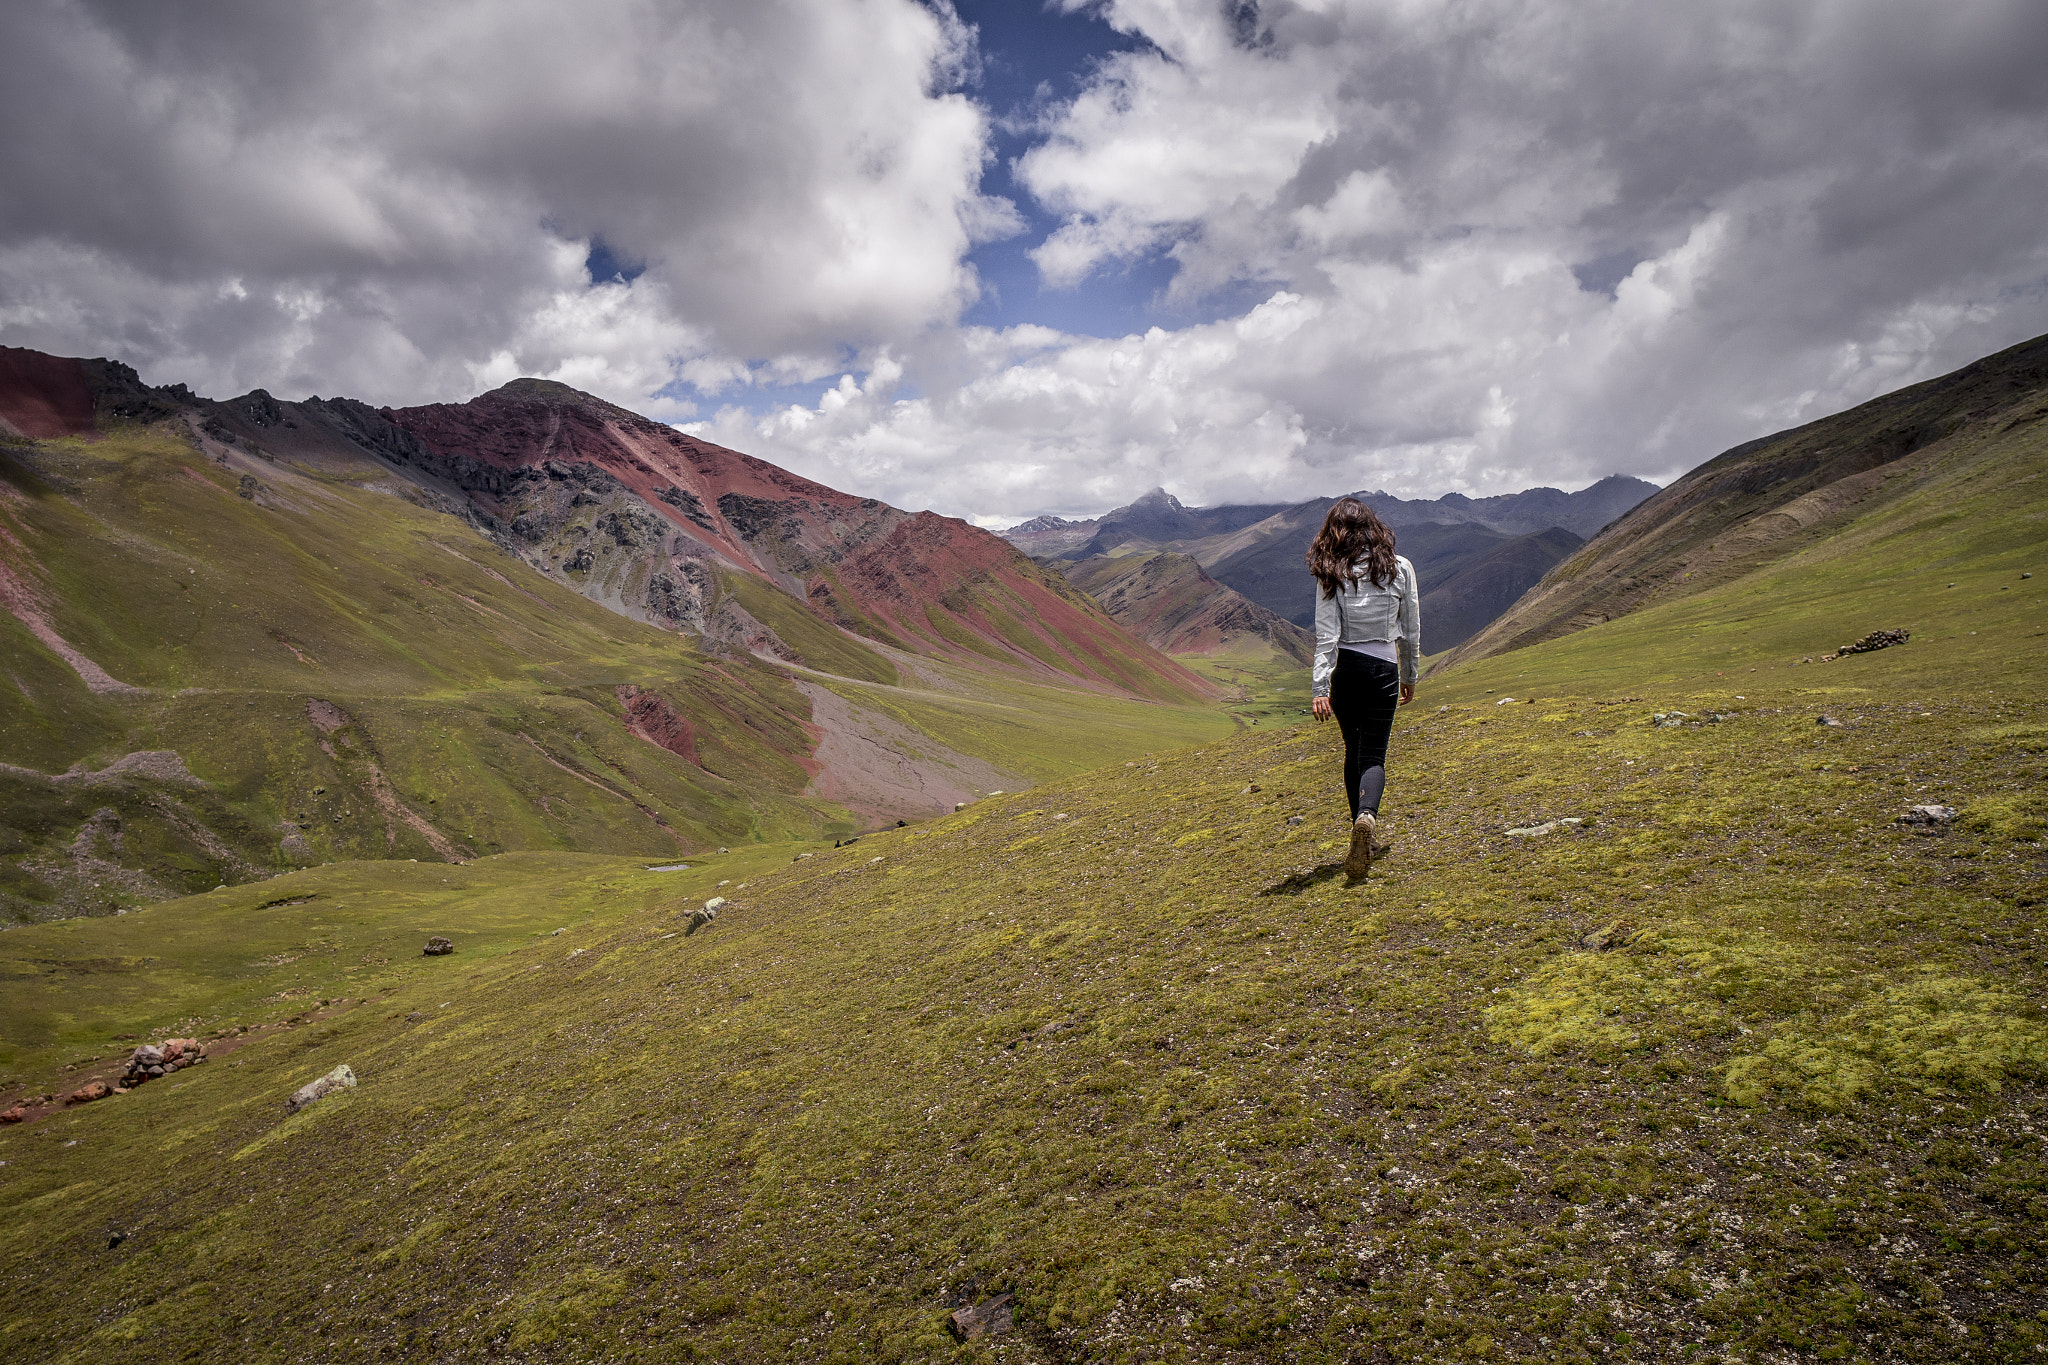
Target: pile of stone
[20,1110]
[1877,639]
[152,1060]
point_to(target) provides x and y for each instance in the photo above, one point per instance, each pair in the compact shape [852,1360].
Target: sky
[998,259]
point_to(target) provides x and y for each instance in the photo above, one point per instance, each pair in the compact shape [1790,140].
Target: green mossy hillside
[343,674]
[1739,1068]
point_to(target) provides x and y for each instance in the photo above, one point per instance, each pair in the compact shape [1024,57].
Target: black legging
[1363,694]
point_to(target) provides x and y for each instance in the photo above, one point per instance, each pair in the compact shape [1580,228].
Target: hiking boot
[1359,861]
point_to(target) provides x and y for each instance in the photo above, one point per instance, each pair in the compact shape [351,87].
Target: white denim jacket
[1360,613]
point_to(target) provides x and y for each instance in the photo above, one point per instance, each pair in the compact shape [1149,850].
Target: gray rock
[437,947]
[1294,820]
[1547,827]
[341,1078]
[990,1317]
[1928,819]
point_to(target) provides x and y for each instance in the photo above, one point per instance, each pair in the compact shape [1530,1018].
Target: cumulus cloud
[396,200]
[1412,246]
[1497,244]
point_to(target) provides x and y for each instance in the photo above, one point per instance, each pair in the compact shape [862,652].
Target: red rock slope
[664,526]
[43,396]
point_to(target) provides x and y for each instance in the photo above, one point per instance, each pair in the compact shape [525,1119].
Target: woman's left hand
[1407,693]
[1320,707]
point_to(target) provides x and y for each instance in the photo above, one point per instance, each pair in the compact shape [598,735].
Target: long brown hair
[1353,543]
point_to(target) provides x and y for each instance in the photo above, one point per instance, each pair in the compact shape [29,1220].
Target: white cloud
[1781,207]
[1413,246]
[405,195]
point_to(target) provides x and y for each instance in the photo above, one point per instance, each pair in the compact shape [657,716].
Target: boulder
[90,1091]
[990,1317]
[1928,819]
[14,1115]
[1547,827]
[437,946]
[341,1078]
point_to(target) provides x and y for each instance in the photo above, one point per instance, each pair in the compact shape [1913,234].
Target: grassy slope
[1039,731]
[1268,686]
[471,694]
[1763,501]
[1154,1066]
[484,693]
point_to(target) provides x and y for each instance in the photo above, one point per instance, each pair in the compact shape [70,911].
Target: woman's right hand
[1320,707]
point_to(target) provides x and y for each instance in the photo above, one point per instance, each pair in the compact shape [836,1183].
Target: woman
[1368,639]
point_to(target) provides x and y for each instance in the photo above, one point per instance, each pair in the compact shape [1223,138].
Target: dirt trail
[26,607]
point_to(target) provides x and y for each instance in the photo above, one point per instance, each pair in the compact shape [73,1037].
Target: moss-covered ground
[1740,1067]
[1130,1047]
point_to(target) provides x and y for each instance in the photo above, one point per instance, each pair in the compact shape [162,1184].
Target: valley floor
[1739,1068]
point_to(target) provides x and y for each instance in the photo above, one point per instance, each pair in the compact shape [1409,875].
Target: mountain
[1156,519]
[1166,600]
[249,636]
[1531,510]
[1159,519]
[1258,551]
[1776,496]
[683,534]
[1459,604]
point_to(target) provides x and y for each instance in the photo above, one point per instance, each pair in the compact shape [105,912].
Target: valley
[1666,1031]
[1473,557]
[233,656]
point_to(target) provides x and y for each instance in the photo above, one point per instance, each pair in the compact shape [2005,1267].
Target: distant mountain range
[1473,556]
